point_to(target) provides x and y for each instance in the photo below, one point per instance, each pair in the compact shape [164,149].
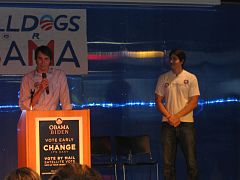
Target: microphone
[44,75]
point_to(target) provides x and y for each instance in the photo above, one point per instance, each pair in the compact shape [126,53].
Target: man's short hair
[179,53]
[23,173]
[45,50]
[76,171]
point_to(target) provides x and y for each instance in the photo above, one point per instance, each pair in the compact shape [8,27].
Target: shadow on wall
[109,121]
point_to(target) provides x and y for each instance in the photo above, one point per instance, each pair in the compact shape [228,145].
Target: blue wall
[210,36]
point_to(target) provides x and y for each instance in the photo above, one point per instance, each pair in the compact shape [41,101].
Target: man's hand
[44,84]
[174,120]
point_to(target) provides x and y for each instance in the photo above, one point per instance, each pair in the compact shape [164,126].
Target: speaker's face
[43,62]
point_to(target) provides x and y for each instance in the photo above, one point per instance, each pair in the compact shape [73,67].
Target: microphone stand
[32,93]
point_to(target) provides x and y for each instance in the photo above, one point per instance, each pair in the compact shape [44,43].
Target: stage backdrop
[23,29]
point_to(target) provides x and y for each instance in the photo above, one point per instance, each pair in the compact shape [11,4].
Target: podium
[50,139]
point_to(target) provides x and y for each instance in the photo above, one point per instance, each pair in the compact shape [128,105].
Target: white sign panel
[24,29]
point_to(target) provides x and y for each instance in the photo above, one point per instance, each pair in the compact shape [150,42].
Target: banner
[24,29]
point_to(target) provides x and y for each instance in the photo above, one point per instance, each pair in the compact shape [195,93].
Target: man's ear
[182,61]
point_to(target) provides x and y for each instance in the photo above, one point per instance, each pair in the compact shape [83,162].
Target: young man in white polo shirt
[176,96]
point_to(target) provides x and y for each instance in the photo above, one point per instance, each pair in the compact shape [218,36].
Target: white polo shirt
[176,90]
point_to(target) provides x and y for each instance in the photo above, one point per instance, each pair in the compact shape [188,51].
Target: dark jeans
[184,135]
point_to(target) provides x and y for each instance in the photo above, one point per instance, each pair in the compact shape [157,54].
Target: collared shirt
[176,90]
[58,91]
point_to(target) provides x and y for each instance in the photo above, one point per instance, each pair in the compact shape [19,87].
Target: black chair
[134,151]
[101,153]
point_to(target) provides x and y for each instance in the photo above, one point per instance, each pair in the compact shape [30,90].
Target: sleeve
[194,89]
[25,95]
[159,90]
[64,93]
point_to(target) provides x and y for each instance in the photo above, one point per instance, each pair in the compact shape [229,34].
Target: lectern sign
[59,143]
